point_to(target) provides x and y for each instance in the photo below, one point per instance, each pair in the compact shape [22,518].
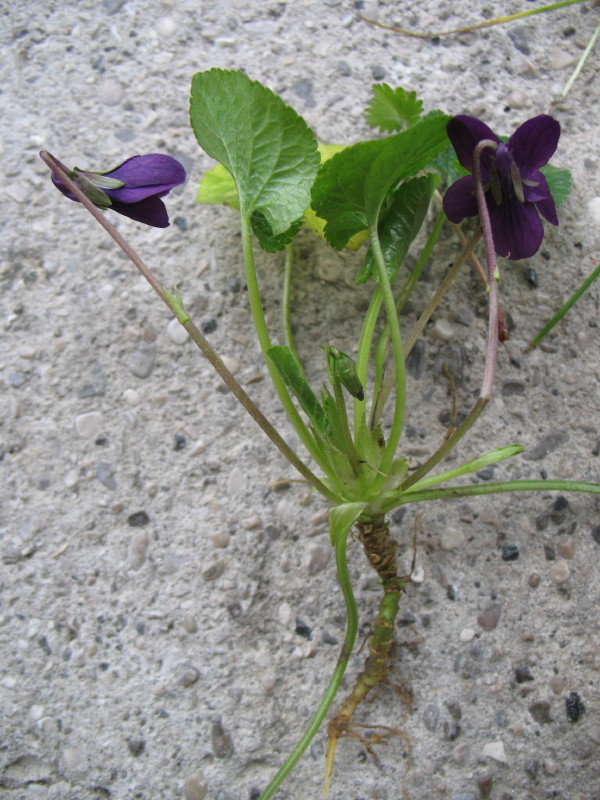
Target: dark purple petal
[534,142]
[535,186]
[547,209]
[517,230]
[154,169]
[134,194]
[151,211]
[465,133]
[460,201]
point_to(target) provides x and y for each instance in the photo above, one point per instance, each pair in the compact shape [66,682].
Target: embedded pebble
[93,383]
[214,571]
[551,767]
[236,482]
[176,332]
[138,519]
[131,397]
[496,751]
[138,549]
[560,572]
[509,552]
[548,444]
[318,558]
[452,538]
[74,759]
[136,746]
[594,209]
[190,624]
[467,635]
[442,329]
[518,99]
[110,92]
[232,364]
[141,361]
[221,740]
[220,539]
[251,523]
[105,474]
[189,676]
[71,479]
[560,59]
[566,549]
[284,613]
[540,711]
[488,619]
[523,673]
[198,448]
[195,787]
[431,716]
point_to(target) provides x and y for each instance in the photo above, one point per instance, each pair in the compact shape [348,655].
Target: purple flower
[516,192]
[133,189]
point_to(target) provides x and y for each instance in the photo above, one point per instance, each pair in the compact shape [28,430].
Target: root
[381,553]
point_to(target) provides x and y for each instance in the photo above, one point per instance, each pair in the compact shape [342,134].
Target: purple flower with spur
[516,192]
[133,189]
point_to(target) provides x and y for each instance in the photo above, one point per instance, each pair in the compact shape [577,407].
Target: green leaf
[267,240]
[291,374]
[559,182]
[351,187]
[341,519]
[265,145]
[393,109]
[400,225]
[493,457]
[448,165]
[217,187]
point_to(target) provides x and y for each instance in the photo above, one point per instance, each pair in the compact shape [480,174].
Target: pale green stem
[580,63]
[286,305]
[338,673]
[478,490]
[384,382]
[362,358]
[468,28]
[390,308]
[265,343]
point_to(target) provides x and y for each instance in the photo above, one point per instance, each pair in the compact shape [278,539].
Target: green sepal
[343,369]
[90,190]
[176,304]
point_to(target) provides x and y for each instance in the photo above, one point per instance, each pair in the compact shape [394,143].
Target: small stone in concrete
[194,787]
[560,572]
[141,361]
[496,751]
[89,424]
[176,332]
[221,740]
[443,330]
[452,538]
[318,558]
[189,677]
[488,619]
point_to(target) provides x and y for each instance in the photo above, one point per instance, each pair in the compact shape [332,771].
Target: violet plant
[272,170]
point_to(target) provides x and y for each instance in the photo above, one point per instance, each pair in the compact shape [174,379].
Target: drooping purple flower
[516,192]
[133,189]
